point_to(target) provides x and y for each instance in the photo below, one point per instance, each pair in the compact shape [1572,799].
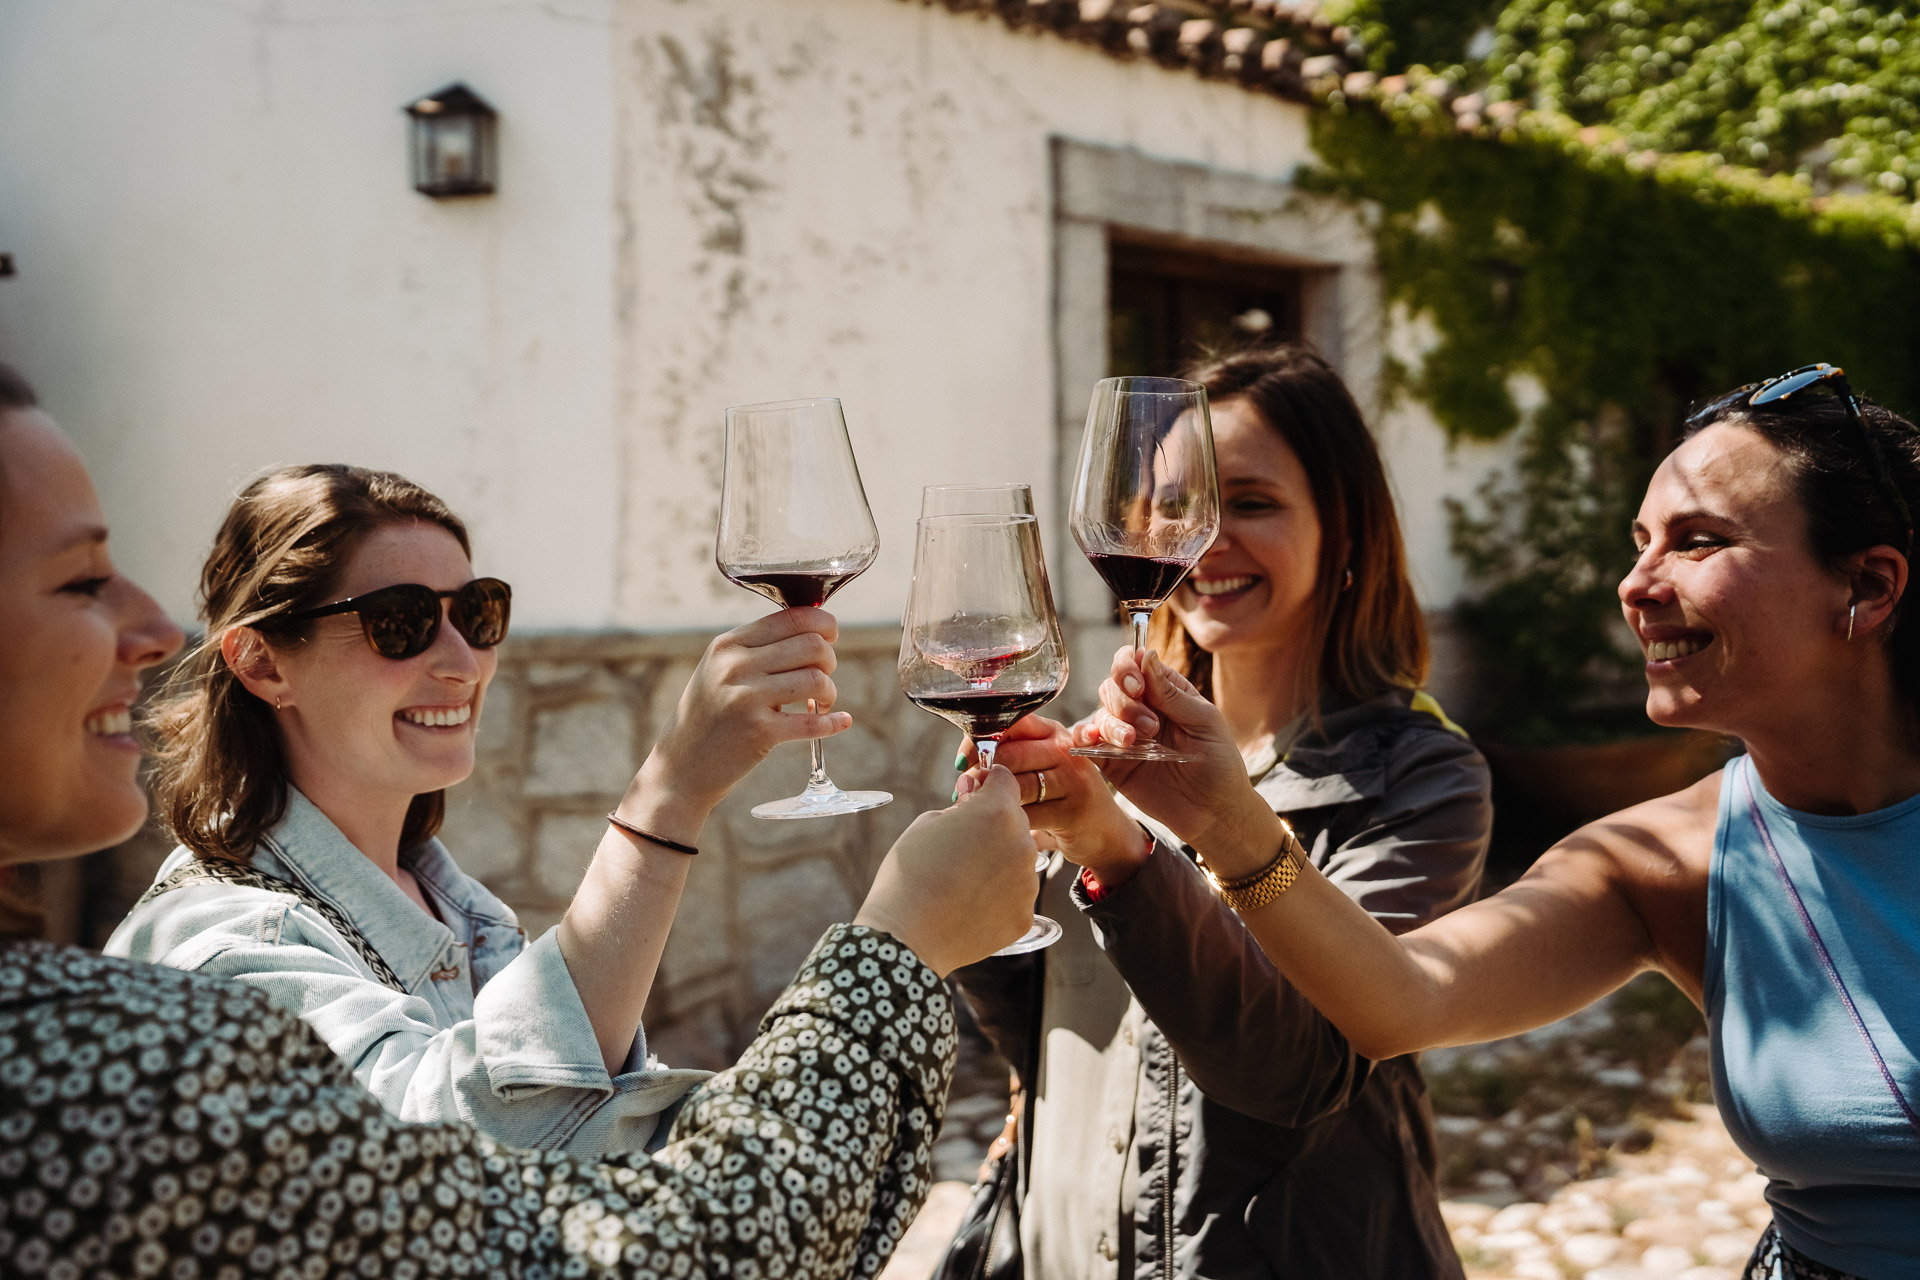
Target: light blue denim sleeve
[526,1068]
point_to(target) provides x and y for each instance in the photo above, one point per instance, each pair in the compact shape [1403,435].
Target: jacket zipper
[1167,1182]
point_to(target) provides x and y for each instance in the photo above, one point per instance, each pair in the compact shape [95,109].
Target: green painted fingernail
[960,762]
[955,797]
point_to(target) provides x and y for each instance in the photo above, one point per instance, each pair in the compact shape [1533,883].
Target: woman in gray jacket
[1193,1115]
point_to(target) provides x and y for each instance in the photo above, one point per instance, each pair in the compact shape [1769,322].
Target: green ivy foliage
[1622,284]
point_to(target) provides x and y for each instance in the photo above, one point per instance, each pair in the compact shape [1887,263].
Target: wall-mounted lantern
[453,143]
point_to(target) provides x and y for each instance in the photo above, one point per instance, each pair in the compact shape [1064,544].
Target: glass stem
[986,747]
[1140,634]
[818,779]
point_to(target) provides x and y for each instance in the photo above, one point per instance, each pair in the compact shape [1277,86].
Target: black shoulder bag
[986,1246]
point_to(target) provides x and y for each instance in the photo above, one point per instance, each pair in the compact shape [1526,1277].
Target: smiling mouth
[438,717]
[1669,650]
[115,722]
[1209,587]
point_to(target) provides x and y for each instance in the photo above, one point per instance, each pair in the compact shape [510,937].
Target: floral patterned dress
[158,1123]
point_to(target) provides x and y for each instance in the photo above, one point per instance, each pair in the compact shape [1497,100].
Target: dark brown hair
[220,775]
[1848,508]
[15,393]
[1370,636]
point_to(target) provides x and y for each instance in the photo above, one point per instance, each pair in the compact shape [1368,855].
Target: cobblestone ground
[1584,1150]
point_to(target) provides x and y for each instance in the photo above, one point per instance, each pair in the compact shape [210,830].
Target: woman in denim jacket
[155,1122]
[304,752]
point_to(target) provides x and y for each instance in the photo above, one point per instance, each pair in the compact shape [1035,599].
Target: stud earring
[279,703]
[1851,609]
[1349,582]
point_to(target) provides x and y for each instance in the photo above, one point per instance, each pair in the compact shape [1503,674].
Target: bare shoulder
[1656,857]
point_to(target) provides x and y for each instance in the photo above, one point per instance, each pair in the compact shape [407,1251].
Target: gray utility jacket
[1292,1156]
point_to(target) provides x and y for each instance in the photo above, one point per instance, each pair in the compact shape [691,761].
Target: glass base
[826,802]
[1043,933]
[1148,751]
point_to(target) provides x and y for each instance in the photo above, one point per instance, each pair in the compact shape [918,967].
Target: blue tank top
[1799,1090]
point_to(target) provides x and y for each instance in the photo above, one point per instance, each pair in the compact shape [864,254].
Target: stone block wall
[568,720]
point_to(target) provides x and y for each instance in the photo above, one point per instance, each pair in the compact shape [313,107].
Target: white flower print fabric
[158,1123]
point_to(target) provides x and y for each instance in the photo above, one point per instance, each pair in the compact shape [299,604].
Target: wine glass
[1146,503]
[981,646]
[976,500]
[794,527]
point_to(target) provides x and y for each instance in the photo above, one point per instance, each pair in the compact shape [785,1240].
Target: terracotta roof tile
[1282,47]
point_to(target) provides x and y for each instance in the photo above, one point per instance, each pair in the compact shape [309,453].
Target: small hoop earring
[279,703]
[1349,582]
[1850,612]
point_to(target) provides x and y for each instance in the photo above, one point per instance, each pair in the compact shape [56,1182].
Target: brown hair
[220,775]
[1370,636]
[15,393]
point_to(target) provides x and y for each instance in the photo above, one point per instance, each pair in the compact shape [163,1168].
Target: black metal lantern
[453,143]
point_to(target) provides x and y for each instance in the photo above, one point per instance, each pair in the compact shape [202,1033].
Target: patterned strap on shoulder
[204,870]
[1820,949]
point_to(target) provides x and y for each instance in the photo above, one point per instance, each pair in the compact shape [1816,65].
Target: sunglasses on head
[403,621]
[1774,390]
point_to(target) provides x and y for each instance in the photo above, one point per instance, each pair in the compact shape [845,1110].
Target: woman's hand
[959,883]
[729,718]
[1078,815]
[1208,802]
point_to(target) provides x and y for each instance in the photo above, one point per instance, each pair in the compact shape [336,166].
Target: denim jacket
[490,1030]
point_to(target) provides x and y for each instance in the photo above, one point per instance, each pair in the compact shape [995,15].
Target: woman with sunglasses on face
[304,752]
[1782,893]
[157,1122]
[1196,1117]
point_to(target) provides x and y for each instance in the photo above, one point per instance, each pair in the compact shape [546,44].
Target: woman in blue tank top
[1782,894]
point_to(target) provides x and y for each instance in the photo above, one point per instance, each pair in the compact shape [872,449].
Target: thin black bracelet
[662,841]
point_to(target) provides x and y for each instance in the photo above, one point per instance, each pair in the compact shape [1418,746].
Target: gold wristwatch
[1266,884]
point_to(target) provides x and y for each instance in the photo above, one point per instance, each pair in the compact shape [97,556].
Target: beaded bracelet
[662,841]
[1263,886]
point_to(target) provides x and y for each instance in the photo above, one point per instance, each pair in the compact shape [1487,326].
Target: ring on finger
[1042,797]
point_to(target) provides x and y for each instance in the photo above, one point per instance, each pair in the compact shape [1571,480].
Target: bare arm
[1620,895]
[615,930]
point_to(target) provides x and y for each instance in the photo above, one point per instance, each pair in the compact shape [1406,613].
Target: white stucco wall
[703,202]
[223,266]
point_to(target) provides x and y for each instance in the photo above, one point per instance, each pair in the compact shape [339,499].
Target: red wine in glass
[798,586]
[795,528]
[985,714]
[1146,504]
[1140,580]
[981,645]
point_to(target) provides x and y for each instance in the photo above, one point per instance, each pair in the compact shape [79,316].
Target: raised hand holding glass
[981,645]
[1146,503]
[795,527]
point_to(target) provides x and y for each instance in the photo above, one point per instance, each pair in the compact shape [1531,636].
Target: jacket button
[1119,1143]
[1129,1035]
[1106,1246]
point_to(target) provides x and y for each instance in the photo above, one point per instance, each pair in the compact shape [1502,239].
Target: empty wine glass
[981,646]
[794,527]
[1146,503]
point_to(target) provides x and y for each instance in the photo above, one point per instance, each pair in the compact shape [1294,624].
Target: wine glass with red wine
[794,527]
[981,646]
[1146,503]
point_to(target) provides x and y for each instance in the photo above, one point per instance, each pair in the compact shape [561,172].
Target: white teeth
[107,724]
[1667,650]
[440,719]
[1219,586]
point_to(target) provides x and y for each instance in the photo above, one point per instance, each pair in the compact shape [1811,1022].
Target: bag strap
[213,871]
[1820,948]
[1030,1069]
